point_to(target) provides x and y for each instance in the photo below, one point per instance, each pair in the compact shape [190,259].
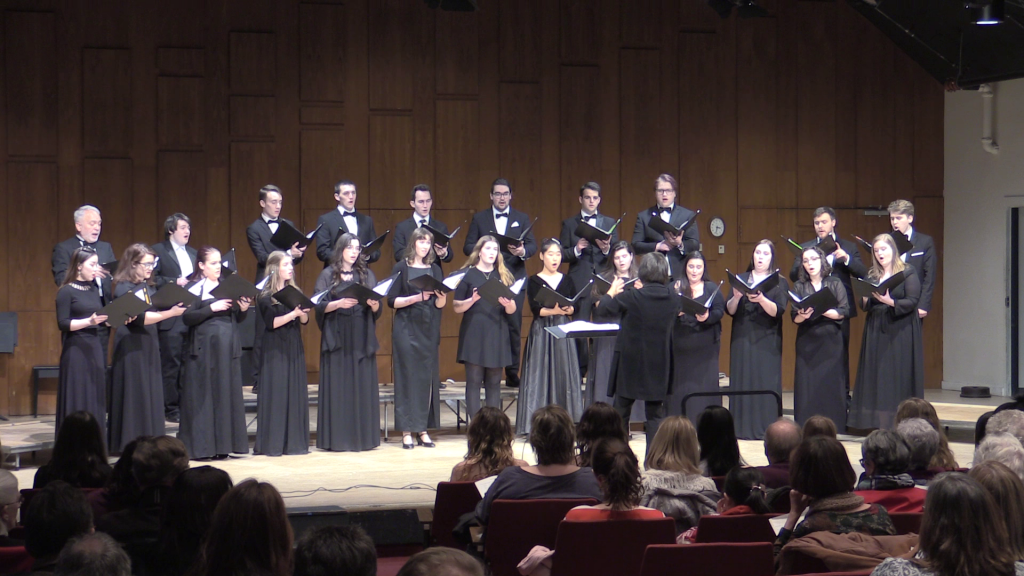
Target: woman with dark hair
[743,492]
[82,384]
[819,385]
[962,534]
[819,426]
[122,489]
[187,514]
[599,420]
[696,341]
[618,474]
[755,351]
[414,355]
[348,418]
[551,367]
[212,411]
[79,455]
[489,437]
[719,449]
[1007,491]
[921,408]
[249,535]
[137,389]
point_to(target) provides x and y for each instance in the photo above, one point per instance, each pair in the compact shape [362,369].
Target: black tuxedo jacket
[168,270]
[645,238]
[400,237]
[482,224]
[334,226]
[62,259]
[591,259]
[258,234]
[843,271]
[923,258]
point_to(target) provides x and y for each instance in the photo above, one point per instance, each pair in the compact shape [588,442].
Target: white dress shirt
[184,262]
[350,220]
[273,225]
[500,224]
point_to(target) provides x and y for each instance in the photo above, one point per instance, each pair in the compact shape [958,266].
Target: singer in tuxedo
[675,247]
[921,257]
[505,220]
[421,201]
[176,261]
[344,220]
[263,229]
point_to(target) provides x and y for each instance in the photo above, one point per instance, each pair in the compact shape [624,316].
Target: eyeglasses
[149,265]
[501,194]
[19,501]
[664,191]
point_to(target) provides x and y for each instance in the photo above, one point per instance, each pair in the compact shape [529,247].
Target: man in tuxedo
[675,247]
[421,201]
[344,219]
[176,262]
[263,228]
[501,218]
[845,262]
[922,256]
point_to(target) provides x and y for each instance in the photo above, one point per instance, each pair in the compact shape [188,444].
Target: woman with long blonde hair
[671,466]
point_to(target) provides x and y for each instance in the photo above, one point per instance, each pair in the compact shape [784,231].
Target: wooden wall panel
[875,126]
[322,152]
[579,132]
[580,34]
[815,91]
[252,167]
[391,174]
[929,109]
[110,180]
[392,54]
[457,150]
[38,345]
[640,79]
[696,16]
[640,21]
[180,112]
[321,53]
[181,187]
[106,101]
[253,64]
[519,38]
[520,129]
[458,53]
[755,91]
[30,47]
[181,61]
[252,116]
[929,212]
[32,187]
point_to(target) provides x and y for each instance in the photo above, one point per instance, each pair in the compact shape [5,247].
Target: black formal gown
[483,333]
[414,353]
[600,363]
[212,411]
[696,346]
[819,385]
[282,406]
[136,381]
[755,361]
[891,365]
[82,382]
[551,369]
[348,415]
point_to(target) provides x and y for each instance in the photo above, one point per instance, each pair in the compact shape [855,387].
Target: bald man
[780,439]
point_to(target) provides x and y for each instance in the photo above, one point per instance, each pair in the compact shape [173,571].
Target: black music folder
[661,226]
[822,301]
[506,241]
[863,288]
[548,298]
[594,233]
[493,289]
[763,286]
[234,287]
[170,294]
[827,245]
[427,283]
[582,329]
[228,262]
[375,244]
[287,236]
[123,308]
[440,238]
[697,307]
[903,244]
[292,297]
[110,266]
[364,294]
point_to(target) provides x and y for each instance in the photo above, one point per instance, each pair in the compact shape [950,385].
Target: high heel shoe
[409,445]
[421,442]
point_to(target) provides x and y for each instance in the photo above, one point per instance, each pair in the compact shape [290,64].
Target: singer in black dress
[282,406]
[414,352]
[348,415]
[819,385]
[696,342]
[755,353]
[212,411]
[81,384]
[551,369]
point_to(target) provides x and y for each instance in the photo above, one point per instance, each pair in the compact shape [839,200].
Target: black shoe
[421,442]
[511,380]
[408,446]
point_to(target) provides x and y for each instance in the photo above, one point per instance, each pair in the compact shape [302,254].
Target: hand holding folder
[821,301]
[288,236]
[364,294]
[427,283]
[548,298]
[594,233]
[440,238]
[763,286]
[506,241]
[697,307]
[667,228]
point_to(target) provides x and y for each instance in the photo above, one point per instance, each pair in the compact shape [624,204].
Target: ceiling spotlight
[744,8]
[986,13]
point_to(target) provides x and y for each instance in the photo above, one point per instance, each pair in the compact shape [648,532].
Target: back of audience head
[921,408]
[1008,421]
[122,488]
[979,427]
[93,555]
[674,447]
[489,439]
[10,500]
[745,487]
[441,561]
[57,513]
[885,453]
[819,425]
[552,436]
[157,461]
[598,421]
[780,439]
[1002,448]
[188,511]
[335,551]
[1007,490]
[819,467]
[79,453]
[618,473]
[716,434]
[922,439]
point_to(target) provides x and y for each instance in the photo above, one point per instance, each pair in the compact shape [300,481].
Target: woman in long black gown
[282,407]
[755,353]
[696,342]
[414,353]
[551,368]
[136,380]
[819,384]
[212,411]
[891,365]
[348,414]
[82,382]
[484,346]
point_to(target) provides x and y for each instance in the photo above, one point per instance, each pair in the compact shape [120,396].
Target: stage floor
[390,477]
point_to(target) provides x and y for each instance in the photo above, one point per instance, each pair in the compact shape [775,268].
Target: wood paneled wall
[146,108]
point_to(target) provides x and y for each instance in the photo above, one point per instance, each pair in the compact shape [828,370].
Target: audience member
[923,442]
[1008,421]
[598,421]
[1007,490]
[55,515]
[618,474]
[1002,448]
[673,482]
[93,555]
[744,492]
[188,511]
[335,551]
[490,439]
[886,459]
[10,502]
[979,427]
[921,408]
[442,561]
[961,534]
[780,439]
[818,425]
[79,455]
[719,450]
[121,491]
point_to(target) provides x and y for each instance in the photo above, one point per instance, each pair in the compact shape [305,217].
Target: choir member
[422,202]
[348,418]
[176,261]
[921,256]
[483,334]
[819,383]
[891,367]
[696,341]
[82,381]
[501,218]
[136,391]
[344,220]
[414,354]
[755,353]
[212,412]
[282,407]
[551,371]
[675,247]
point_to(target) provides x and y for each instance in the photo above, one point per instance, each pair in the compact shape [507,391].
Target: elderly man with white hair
[10,502]
[924,442]
[1003,448]
[1007,421]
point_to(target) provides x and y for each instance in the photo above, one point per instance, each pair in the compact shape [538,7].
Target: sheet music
[384,287]
[197,288]
[452,281]
[262,283]
[583,325]
[316,298]
[517,286]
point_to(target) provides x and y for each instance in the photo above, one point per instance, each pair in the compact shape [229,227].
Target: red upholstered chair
[910,499]
[15,560]
[516,526]
[732,559]
[739,528]
[907,522]
[578,551]
[453,499]
[866,573]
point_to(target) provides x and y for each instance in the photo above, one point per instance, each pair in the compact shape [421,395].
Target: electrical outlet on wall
[721,248]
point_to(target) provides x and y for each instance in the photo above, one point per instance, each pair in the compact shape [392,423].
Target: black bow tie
[272,221]
[422,222]
[85,244]
[352,213]
[590,219]
[664,210]
[501,215]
